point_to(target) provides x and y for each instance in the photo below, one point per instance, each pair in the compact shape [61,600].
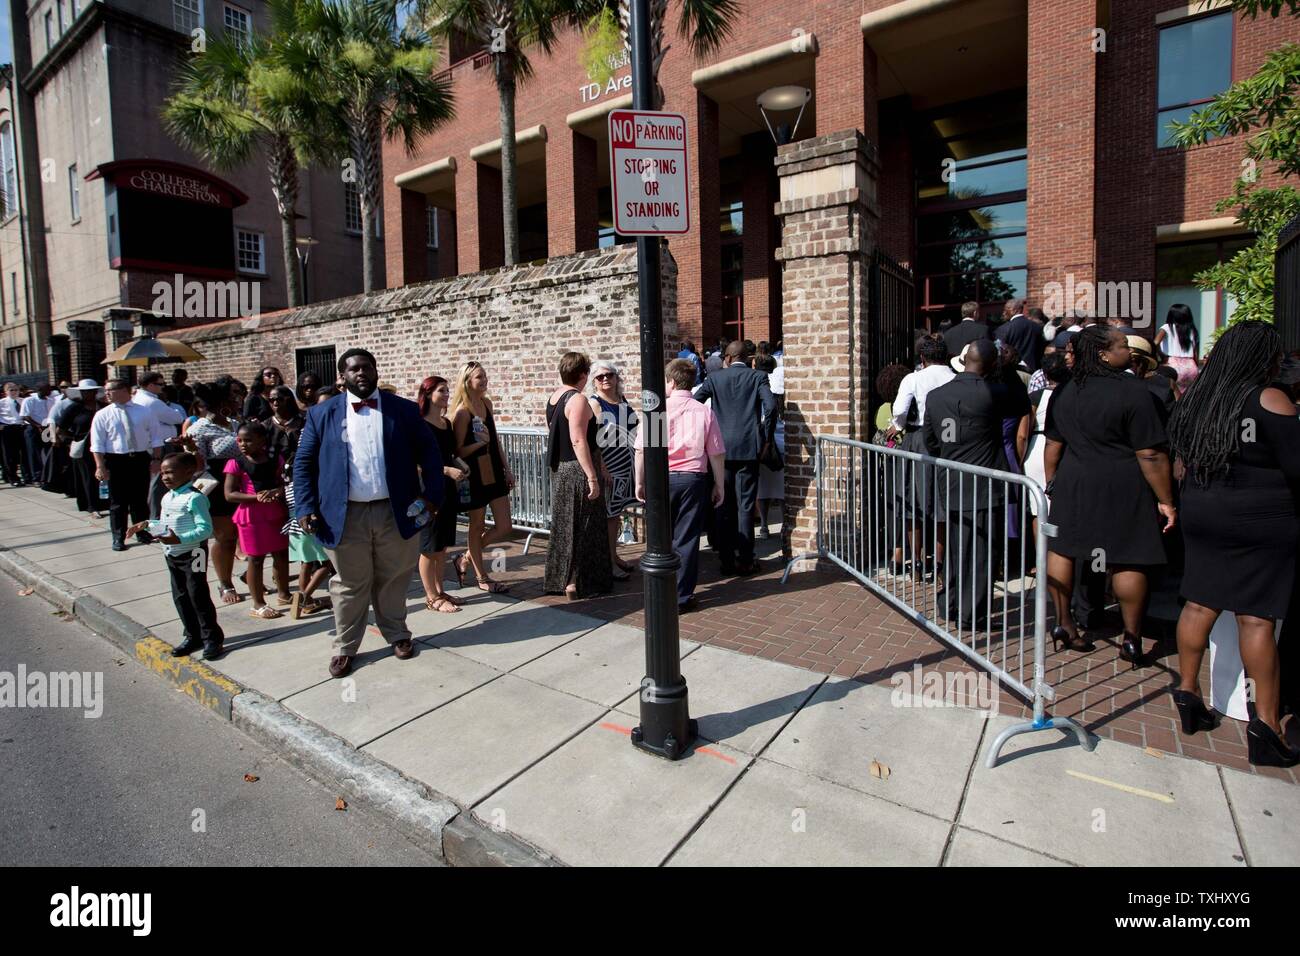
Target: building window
[74,192]
[1195,66]
[1177,265]
[971,181]
[250,251]
[62,26]
[13,291]
[73,7]
[239,24]
[49,30]
[187,15]
[321,361]
[16,360]
[431,239]
[9,170]
[352,212]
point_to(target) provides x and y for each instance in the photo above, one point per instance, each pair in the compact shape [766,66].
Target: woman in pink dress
[256,486]
[1179,339]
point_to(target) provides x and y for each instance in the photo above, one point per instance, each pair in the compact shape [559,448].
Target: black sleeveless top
[561,447]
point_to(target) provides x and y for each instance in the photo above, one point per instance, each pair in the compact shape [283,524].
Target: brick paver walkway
[827,622]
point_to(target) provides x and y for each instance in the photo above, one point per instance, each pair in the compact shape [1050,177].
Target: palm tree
[506,29]
[233,101]
[378,83]
[705,24]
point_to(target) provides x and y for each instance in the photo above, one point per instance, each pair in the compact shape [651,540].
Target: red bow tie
[366,403]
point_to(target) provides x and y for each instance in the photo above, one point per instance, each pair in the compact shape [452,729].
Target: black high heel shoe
[1061,636]
[1266,748]
[1195,715]
[1130,650]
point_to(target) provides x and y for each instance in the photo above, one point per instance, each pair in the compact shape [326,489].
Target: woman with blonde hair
[615,436]
[490,478]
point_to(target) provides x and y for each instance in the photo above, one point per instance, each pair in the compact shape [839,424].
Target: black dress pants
[11,454]
[128,491]
[189,576]
[734,536]
[688,500]
[967,565]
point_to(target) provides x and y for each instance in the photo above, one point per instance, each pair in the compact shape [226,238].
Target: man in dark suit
[963,423]
[356,486]
[742,402]
[968,330]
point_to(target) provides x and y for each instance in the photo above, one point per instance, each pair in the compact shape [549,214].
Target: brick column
[467,214]
[491,232]
[846,62]
[58,359]
[117,332]
[758,194]
[448,242]
[412,256]
[698,253]
[571,184]
[1062,143]
[86,349]
[830,221]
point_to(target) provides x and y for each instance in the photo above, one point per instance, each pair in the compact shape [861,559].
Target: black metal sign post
[666,728]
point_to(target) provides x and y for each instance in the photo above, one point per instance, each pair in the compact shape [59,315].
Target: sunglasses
[605,375]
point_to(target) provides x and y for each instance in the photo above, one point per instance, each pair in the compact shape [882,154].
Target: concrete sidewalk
[519,714]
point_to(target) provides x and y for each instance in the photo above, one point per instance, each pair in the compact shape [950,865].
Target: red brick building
[1021,143]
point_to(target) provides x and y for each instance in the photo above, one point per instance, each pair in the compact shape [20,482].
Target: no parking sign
[648,173]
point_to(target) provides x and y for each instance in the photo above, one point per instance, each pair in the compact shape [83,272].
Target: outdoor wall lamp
[782,99]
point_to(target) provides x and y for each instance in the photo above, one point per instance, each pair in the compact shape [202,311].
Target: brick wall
[830,222]
[517,322]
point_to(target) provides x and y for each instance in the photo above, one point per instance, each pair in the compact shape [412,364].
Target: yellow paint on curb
[194,678]
[1137,791]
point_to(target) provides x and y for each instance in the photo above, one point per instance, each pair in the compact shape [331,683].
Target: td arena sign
[648,173]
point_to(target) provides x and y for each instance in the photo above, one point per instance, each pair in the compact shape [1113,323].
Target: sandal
[493,587]
[265,612]
[284,601]
[459,569]
[222,592]
[441,604]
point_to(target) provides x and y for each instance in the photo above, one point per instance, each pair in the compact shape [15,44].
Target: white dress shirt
[37,408]
[166,418]
[124,429]
[915,387]
[11,411]
[363,433]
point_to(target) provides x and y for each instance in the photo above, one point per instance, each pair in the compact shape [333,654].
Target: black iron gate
[892,319]
[1286,285]
[321,360]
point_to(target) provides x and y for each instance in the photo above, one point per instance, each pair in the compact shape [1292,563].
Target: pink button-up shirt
[693,433]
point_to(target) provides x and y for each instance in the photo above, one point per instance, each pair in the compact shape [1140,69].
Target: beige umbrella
[147,349]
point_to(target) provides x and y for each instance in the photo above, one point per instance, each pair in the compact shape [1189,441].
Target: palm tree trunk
[505,76]
[284,186]
[366,137]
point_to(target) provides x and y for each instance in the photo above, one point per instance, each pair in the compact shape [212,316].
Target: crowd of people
[1155,458]
[1150,454]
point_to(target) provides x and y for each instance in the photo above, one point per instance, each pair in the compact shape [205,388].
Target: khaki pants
[374,564]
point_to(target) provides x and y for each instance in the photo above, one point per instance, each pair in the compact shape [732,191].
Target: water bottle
[462,492]
[103,490]
[418,513]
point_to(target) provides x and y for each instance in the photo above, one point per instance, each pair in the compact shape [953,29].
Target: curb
[424,816]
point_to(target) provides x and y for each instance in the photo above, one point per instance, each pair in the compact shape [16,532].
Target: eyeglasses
[605,375]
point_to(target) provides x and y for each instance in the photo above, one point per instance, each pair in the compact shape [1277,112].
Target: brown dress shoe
[403,650]
[340,666]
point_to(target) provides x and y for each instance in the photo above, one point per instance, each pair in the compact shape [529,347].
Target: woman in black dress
[577,555]
[440,533]
[490,478]
[1110,485]
[74,423]
[1239,444]
[286,422]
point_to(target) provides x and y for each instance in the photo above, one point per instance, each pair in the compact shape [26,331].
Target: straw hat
[85,385]
[1142,347]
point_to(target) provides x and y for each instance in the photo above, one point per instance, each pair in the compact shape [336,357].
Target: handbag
[77,449]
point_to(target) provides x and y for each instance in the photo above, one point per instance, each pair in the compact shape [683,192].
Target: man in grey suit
[742,402]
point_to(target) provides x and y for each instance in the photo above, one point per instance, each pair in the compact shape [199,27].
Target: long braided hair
[1088,346]
[1204,426]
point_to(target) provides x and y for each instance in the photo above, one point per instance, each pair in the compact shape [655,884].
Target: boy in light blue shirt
[183,529]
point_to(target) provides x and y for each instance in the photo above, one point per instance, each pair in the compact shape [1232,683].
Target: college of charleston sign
[168,217]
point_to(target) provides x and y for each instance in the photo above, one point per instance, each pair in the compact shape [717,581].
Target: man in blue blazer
[364,461]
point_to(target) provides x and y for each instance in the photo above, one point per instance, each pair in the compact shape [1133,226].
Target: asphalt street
[155,779]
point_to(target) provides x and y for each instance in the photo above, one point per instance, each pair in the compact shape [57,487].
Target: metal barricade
[530,499]
[875,502]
